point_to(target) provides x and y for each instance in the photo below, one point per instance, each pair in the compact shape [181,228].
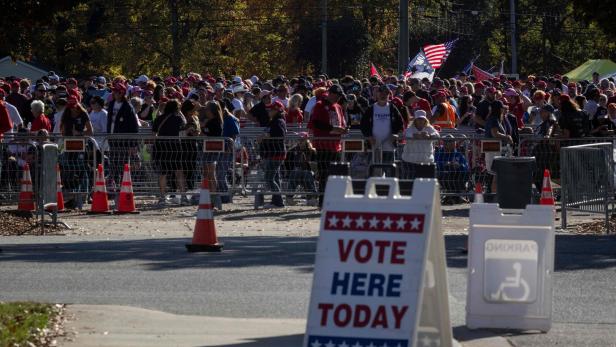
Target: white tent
[20,69]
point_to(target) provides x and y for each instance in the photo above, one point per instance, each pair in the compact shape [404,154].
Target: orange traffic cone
[478,193]
[547,195]
[126,201]
[59,196]
[204,237]
[26,196]
[100,203]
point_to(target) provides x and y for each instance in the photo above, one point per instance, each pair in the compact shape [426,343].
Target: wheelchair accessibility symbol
[510,273]
[515,282]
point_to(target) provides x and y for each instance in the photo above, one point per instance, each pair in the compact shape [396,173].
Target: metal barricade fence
[254,164]
[588,180]
[547,152]
[16,151]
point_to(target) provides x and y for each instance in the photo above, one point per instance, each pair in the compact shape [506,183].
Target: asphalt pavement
[270,277]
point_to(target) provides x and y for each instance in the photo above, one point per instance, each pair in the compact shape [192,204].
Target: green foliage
[83,37]
[20,322]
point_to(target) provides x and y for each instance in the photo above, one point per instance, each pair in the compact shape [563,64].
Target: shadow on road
[573,252]
[274,341]
[170,254]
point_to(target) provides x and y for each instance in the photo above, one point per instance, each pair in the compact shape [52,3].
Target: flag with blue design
[419,67]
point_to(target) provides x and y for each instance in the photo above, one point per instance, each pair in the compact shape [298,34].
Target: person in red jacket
[328,123]
[40,121]
[6,125]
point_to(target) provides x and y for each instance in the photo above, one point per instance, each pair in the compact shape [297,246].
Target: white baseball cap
[420,114]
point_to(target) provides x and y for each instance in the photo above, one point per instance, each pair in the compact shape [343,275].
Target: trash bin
[514,181]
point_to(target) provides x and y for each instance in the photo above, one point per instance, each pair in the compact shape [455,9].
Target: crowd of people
[402,119]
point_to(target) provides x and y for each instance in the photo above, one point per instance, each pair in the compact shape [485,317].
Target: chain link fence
[294,167]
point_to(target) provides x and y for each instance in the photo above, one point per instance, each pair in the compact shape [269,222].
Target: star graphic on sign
[357,344]
[359,222]
[374,223]
[333,221]
[385,345]
[346,222]
[343,344]
[330,344]
[415,223]
[399,345]
[387,223]
[315,344]
[371,345]
[401,223]
[426,341]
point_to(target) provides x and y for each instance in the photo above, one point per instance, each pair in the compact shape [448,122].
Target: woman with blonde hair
[295,114]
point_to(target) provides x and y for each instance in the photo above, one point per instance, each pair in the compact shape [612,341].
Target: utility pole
[324,36]
[175,39]
[514,46]
[403,37]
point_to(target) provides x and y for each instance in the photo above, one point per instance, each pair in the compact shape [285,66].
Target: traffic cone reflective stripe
[59,195]
[204,236]
[126,201]
[547,195]
[478,193]
[100,202]
[26,195]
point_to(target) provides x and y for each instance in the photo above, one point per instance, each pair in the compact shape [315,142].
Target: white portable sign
[510,266]
[380,276]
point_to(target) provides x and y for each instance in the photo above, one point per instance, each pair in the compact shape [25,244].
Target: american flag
[437,54]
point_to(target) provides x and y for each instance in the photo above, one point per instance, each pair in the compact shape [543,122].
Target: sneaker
[176,200]
[162,202]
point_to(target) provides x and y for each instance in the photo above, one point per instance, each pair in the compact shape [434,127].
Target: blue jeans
[223,165]
[272,178]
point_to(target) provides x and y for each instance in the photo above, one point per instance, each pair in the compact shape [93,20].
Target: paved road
[270,277]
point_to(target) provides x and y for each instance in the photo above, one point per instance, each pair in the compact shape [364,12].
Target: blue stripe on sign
[335,341]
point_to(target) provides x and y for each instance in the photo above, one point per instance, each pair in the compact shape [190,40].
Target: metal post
[514,48]
[324,36]
[403,37]
[175,39]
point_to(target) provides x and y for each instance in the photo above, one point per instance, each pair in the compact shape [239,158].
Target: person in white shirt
[282,95]
[380,124]
[312,102]
[13,113]
[418,153]
[98,118]
[238,101]
[592,104]
[57,117]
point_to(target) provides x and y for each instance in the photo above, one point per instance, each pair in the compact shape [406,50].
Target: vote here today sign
[368,277]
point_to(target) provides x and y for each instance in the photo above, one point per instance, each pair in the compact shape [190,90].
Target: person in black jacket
[273,151]
[121,119]
[381,122]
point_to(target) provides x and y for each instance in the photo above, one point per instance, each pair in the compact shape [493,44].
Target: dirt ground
[239,219]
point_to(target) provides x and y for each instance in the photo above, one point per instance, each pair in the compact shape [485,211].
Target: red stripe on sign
[374,222]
